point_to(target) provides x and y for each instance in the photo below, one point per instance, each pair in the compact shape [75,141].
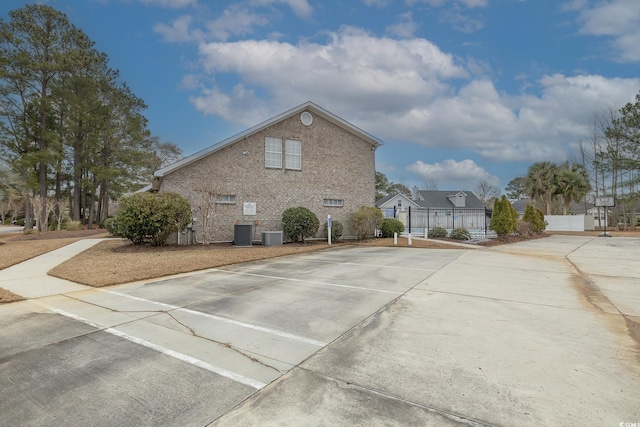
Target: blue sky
[460,91]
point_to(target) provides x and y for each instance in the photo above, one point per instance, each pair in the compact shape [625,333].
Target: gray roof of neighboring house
[520,205]
[438,199]
[385,199]
[308,106]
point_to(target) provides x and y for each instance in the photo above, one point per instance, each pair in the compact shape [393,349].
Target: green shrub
[298,223]
[72,225]
[102,224]
[336,230]
[365,221]
[460,234]
[504,218]
[535,217]
[437,232]
[151,218]
[109,224]
[390,226]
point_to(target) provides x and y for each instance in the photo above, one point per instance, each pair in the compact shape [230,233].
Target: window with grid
[337,203]
[273,152]
[293,150]
[227,199]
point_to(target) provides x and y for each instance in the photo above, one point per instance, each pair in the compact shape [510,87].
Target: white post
[395,239]
[329,228]
[409,239]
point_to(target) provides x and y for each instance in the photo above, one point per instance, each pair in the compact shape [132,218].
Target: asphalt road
[538,333]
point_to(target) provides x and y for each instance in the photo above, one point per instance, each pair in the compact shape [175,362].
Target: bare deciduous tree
[486,191]
[205,204]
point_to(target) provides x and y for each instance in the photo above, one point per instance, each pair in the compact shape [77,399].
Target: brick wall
[336,164]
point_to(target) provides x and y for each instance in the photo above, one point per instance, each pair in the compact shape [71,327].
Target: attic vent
[306,118]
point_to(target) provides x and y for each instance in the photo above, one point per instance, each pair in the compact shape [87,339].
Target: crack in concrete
[191,331]
[225,344]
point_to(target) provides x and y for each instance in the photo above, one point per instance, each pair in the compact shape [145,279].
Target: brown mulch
[512,239]
[8,296]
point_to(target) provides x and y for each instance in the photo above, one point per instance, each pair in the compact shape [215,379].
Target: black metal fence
[417,220]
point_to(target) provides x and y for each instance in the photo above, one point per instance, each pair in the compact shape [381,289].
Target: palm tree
[572,184]
[541,183]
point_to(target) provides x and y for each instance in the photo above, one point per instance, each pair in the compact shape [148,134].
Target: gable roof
[308,106]
[520,205]
[393,196]
[440,199]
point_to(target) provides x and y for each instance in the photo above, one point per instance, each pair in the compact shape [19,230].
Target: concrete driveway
[538,333]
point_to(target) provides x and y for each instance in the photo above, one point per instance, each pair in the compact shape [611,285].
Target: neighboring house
[429,209]
[306,157]
[520,205]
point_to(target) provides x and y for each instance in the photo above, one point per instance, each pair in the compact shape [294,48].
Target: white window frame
[293,154]
[226,199]
[273,153]
[334,203]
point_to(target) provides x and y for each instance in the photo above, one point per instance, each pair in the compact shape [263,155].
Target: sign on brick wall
[249,208]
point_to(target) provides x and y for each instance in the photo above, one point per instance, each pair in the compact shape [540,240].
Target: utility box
[272,238]
[242,235]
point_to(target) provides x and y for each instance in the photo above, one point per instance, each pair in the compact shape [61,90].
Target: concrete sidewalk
[30,280]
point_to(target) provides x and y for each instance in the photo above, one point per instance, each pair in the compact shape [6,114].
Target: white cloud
[374,74]
[178,31]
[235,21]
[618,19]
[460,175]
[174,4]
[379,3]
[439,3]
[407,91]
[507,128]
[300,7]
[461,21]
[405,27]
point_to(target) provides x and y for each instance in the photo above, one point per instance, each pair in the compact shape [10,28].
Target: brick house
[306,157]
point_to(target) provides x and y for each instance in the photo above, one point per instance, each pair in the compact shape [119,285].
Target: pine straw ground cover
[116,261]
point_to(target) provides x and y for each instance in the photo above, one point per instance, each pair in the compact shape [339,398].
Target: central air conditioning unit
[272,238]
[242,235]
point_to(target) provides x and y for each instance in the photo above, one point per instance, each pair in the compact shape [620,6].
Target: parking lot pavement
[539,333]
[515,335]
[185,350]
